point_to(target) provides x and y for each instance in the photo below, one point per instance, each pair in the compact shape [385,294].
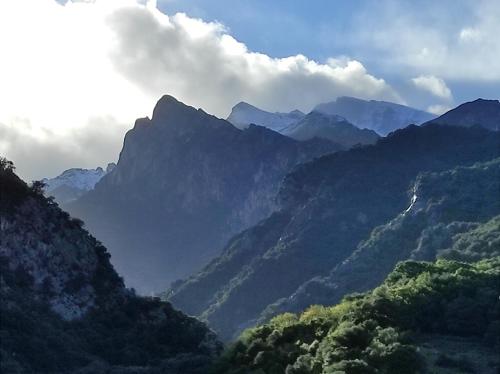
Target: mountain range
[379,116]
[73,183]
[327,206]
[185,182]
[342,253]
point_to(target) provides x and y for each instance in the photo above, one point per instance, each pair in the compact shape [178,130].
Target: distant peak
[482,102]
[242,105]
[167,105]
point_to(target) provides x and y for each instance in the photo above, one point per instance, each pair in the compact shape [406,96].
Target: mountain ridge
[186,178]
[315,229]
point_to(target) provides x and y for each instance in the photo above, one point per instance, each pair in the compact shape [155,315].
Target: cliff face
[65,308]
[185,182]
[327,207]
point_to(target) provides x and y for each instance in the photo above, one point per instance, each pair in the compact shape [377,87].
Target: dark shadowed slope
[326,208]
[445,210]
[480,112]
[64,308]
[185,182]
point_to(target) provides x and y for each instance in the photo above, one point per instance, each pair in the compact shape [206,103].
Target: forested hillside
[327,207]
[63,307]
[445,210]
[410,324]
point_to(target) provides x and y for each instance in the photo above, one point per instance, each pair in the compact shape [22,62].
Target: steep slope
[485,113]
[243,114]
[424,318]
[326,208]
[64,308]
[185,182]
[332,127]
[449,209]
[380,116]
[73,183]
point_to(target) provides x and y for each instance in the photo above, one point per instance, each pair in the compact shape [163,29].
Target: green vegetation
[50,266]
[379,332]
[331,205]
[481,242]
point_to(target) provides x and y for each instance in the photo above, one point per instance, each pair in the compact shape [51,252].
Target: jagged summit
[168,107]
[242,105]
[73,183]
[169,112]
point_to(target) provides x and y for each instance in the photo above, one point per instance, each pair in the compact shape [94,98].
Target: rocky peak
[189,180]
[110,167]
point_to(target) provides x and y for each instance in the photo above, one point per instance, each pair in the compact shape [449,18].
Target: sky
[74,75]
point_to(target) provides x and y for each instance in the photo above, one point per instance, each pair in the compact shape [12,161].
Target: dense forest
[408,324]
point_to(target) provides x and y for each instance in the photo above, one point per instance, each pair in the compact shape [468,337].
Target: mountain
[300,126]
[73,183]
[479,112]
[326,207]
[185,182]
[243,114]
[380,116]
[332,127]
[424,318]
[63,307]
[440,221]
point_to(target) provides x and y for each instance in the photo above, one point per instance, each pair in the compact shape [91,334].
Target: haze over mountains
[260,224]
[186,182]
[379,116]
[326,208]
[73,183]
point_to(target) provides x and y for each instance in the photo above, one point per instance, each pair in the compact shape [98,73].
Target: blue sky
[77,73]
[321,29]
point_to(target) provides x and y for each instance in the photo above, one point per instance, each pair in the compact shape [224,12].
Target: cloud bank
[434,85]
[75,76]
[455,40]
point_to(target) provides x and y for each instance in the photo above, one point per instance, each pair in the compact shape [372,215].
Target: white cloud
[469,34]
[454,41]
[434,85]
[64,66]
[438,109]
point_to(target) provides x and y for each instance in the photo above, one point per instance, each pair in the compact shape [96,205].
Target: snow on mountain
[380,116]
[244,114]
[73,183]
[331,127]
